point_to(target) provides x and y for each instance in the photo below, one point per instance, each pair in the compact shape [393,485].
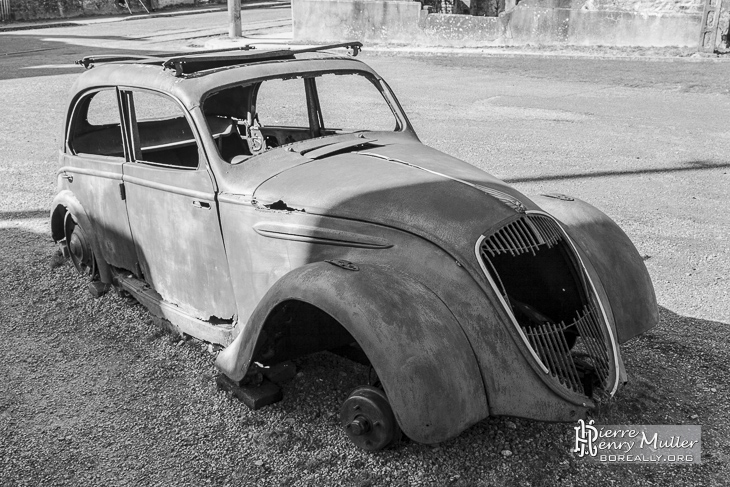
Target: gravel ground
[94,393]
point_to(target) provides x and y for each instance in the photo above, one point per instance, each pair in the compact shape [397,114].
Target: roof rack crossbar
[179,61]
[176,61]
[355,46]
[89,61]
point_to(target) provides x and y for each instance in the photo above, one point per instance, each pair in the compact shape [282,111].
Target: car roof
[189,77]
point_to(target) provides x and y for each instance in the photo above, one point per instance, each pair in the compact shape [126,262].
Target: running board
[185,323]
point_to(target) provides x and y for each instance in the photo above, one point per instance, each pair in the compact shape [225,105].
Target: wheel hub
[359,426]
[368,419]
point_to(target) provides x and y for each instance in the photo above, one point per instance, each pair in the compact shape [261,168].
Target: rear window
[96,128]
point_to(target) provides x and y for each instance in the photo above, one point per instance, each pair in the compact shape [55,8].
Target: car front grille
[522,235]
[549,297]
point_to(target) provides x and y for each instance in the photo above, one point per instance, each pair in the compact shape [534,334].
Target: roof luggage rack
[193,62]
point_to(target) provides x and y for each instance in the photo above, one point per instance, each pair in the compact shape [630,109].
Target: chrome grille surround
[547,343]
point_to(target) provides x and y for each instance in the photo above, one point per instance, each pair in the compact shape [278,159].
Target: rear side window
[163,134]
[96,128]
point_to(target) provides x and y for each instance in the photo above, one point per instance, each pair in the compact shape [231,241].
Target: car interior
[276,112]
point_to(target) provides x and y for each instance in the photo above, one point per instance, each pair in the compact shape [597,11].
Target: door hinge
[122,191]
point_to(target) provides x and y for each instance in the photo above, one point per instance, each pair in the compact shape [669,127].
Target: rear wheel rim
[79,248]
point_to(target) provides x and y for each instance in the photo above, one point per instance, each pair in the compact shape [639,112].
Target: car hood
[406,185]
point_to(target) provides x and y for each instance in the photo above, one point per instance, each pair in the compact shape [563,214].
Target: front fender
[66,199]
[416,346]
[616,262]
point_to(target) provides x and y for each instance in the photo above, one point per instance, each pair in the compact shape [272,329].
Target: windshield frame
[317,124]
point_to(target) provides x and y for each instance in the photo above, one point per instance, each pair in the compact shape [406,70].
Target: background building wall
[573,22]
[491,8]
[54,9]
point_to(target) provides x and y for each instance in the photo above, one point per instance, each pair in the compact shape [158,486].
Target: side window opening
[163,136]
[96,128]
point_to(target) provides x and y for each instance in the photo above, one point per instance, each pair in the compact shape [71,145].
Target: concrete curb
[223,42]
[522,53]
[106,20]
[13,28]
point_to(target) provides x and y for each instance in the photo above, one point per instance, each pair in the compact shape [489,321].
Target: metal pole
[234,18]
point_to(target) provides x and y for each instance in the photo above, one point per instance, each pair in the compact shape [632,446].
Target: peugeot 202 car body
[279,203]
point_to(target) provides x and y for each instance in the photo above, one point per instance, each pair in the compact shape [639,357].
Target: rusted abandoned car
[279,202]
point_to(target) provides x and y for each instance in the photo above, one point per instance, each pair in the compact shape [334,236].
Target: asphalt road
[42,52]
[644,141]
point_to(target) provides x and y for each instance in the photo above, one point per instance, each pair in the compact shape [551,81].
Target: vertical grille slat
[548,332]
[598,338]
[573,373]
[543,350]
[514,249]
[548,341]
[588,338]
[504,244]
[544,333]
[566,365]
[494,246]
[547,351]
[525,237]
[520,239]
[544,233]
[514,241]
[530,236]
[484,251]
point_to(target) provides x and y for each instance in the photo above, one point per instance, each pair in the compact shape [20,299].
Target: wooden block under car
[255,397]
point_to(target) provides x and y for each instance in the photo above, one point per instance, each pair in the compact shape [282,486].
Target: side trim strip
[168,188]
[304,233]
[91,172]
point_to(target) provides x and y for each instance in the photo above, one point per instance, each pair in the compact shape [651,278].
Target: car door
[93,162]
[173,213]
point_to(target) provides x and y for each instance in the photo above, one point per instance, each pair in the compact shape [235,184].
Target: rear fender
[615,261]
[66,199]
[414,343]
